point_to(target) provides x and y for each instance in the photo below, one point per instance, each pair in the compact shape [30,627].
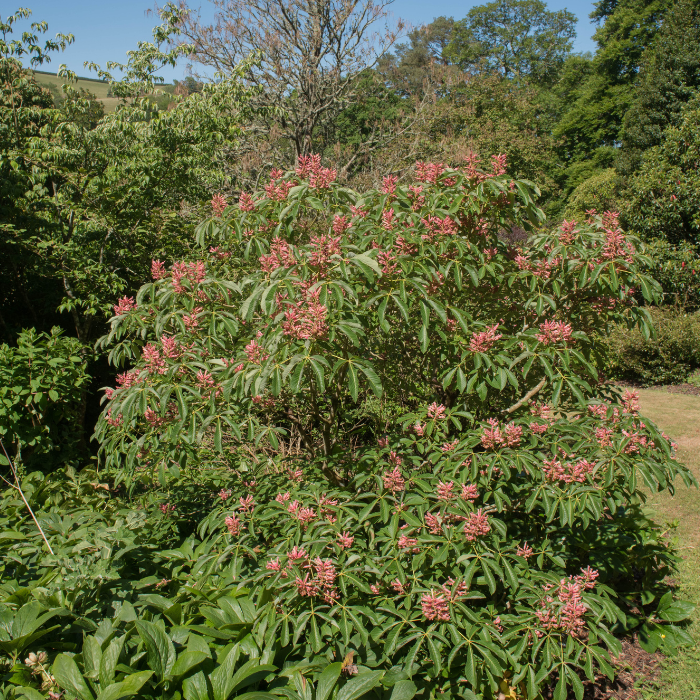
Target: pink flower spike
[124,306]
[435,607]
[345,540]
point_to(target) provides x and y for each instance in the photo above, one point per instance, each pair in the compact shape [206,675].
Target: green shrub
[668,358]
[42,380]
[677,269]
[429,534]
[601,192]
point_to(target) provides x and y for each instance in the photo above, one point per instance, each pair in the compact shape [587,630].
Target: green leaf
[353,386]
[159,649]
[327,681]
[131,685]
[423,338]
[404,690]
[676,611]
[373,380]
[187,661]
[68,677]
[357,686]
[195,687]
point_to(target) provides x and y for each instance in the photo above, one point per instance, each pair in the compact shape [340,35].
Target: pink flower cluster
[218,204]
[114,422]
[436,411]
[554,332]
[303,514]
[234,525]
[524,551]
[153,419]
[540,268]
[418,199]
[388,219]
[636,441]
[616,245]
[171,348]
[255,352]
[281,255]
[394,481]
[429,172]
[278,192]
[340,224]
[127,379]
[320,581]
[193,272]
[190,320]
[306,319]
[124,306]
[345,540]
[155,364]
[323,248]
[158,271]
[567,234]
[484,341]
[630,401]
[476,525]
[389,184]
[245,202]
[493,437]
[563,608]
[604,437]
[319,177]
[569,473]
[435,607]
[438,227]
[498,164]
[449,446]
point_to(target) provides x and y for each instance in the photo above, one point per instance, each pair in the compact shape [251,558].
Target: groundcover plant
[422,472]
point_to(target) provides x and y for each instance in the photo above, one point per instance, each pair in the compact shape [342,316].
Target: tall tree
[514,37]
[596,101]
[310,53]
[669,78]
[419,63]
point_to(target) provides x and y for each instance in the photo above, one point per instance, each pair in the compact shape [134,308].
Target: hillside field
[99,88]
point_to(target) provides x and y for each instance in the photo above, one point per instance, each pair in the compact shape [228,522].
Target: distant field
[99,88]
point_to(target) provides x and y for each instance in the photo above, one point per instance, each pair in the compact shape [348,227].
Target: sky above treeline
[105,31]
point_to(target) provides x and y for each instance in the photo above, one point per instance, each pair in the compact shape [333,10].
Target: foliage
[309,57]
[670,76]
[667,358]
[84,204]
[663,193]
[515,37]
[41,385]
[357,535]
[599,90]
[415,66]
[100,628]
[677,269]
[477,115]
[601,192]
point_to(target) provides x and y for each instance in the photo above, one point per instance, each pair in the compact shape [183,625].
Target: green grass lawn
[679,416]
[98,88]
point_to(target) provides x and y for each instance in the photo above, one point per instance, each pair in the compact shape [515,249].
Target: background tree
[669,77]
[595,97]
[662,200]
[514,37]
[418,65]
[309,56]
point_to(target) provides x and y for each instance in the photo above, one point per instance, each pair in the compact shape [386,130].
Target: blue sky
[105,30]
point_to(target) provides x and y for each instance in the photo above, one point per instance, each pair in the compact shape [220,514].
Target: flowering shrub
[481,530]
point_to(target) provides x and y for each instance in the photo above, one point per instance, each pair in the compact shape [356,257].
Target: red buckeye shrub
[424,466]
